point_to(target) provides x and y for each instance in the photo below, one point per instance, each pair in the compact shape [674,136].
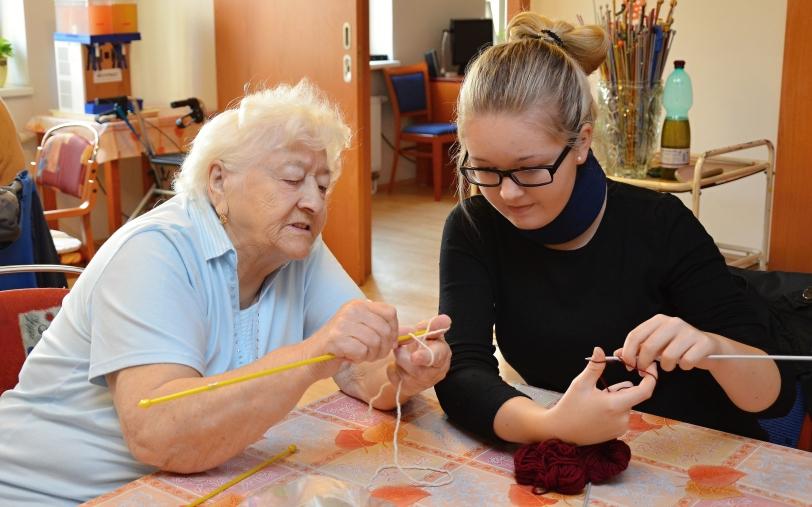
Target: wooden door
[265,42]
[791,239]
[516,6]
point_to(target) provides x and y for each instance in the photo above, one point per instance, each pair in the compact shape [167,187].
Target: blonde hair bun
[587,44]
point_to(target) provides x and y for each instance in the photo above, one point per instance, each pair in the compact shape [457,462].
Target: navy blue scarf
[586,201]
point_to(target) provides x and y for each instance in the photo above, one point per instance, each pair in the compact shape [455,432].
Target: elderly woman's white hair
[262,122]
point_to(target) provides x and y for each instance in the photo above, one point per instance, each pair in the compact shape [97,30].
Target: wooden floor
[407,226]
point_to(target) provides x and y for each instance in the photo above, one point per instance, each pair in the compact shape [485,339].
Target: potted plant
[6,52]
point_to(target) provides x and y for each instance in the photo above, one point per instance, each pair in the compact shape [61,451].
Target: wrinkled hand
[670,340]
[587,415]
[360,331]
[413,362]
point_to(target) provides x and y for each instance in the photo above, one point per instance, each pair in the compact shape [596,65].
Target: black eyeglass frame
[510,173]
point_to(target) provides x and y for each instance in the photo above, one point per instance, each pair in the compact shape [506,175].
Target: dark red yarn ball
[606,460]
[554,465]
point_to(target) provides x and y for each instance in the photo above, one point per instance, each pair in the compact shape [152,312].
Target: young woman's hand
[413,363]
[671,341]
[588,415]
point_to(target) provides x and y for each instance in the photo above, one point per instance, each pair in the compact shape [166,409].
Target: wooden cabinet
[791,247]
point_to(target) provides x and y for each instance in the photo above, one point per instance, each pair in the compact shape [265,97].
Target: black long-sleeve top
[549,307]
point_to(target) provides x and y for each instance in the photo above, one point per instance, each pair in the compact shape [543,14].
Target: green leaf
[6,51]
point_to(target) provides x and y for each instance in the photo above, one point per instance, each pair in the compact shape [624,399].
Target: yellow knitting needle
[284,454]
[146,403]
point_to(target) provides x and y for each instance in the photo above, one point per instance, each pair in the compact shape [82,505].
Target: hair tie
[554,36]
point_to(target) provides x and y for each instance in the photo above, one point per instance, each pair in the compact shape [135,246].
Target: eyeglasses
[523,176]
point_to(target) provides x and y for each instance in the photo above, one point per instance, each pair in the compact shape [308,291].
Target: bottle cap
[679,64]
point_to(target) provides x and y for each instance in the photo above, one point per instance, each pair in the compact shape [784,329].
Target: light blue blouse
[163,289]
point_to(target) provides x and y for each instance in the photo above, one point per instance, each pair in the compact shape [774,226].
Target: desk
[117,142]
[444,92]
[337,438]
[732,169]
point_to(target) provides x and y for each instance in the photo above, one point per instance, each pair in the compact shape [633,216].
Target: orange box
[96,17]
[99,19]
[125,17]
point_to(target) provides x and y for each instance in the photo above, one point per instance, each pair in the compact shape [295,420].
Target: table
[673,463]
[732,169]
[117,142]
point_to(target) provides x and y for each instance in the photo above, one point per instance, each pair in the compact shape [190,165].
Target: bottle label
[675,157]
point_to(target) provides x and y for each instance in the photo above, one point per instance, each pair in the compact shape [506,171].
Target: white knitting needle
[735,356]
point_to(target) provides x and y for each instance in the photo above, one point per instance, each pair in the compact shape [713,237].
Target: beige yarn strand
[396,452]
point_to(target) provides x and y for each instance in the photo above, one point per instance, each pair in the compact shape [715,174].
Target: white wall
[734,53]
[418,24]
[175,58]
[417,27]
[38,52]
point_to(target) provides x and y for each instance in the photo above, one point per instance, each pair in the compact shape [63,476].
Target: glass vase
[627,129]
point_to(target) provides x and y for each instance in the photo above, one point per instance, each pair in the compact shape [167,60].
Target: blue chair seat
[431,129]
[786,430]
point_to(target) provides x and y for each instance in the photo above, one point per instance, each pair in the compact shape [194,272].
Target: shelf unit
[710,163]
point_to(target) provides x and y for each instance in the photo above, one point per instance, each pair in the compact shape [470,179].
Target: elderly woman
[227,278]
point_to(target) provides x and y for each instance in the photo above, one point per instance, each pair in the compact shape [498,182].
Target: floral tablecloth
[342,445]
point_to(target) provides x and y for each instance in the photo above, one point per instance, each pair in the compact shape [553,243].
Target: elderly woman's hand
[360,331]
[413,363]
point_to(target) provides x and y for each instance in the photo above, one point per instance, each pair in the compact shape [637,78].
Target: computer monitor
[468,38]
[431,62]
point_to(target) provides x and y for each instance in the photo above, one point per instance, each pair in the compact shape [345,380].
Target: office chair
[24,316]
[408,89]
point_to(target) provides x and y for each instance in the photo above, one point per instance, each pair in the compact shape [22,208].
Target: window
[12,27]
[380,28]
[497,11]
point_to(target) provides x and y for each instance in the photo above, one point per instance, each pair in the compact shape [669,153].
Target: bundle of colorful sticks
[640,41]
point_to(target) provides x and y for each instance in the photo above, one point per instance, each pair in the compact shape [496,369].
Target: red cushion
[24,315]
[62,162]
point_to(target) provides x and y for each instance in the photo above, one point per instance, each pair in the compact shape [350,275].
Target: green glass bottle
[676,137]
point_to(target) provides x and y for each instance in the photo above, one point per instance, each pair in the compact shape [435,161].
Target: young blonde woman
[565,264]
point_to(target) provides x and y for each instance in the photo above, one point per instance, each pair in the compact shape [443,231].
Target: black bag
[787,297]
[9,213]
